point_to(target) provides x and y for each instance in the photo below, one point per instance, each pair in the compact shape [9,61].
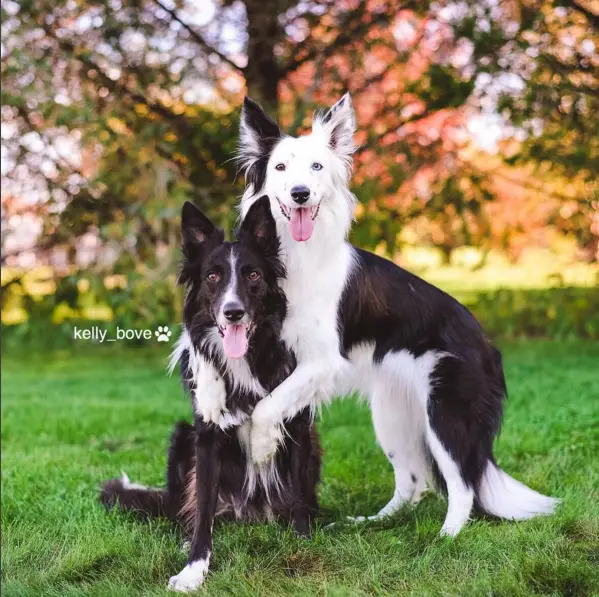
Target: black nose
[233,312]
[300,194]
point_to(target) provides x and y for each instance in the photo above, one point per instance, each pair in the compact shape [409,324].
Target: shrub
[141,303]
[550,313]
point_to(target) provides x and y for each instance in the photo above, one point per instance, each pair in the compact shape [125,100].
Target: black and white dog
[231,356]
[356,321]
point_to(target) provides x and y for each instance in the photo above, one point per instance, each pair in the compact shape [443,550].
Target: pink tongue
[301,224]
[235,341]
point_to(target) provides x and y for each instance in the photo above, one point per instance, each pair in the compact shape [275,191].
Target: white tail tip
[504,497]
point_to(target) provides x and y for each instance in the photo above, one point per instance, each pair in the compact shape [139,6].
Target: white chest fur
[316,276]
[209,393]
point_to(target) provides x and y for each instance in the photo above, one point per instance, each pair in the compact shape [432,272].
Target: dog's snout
[233,312]
[300,194]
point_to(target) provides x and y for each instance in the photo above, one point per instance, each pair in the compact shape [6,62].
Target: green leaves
[443,87]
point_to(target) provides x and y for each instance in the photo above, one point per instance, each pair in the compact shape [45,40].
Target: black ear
[259,227]
[258,134]
[255,123]
[196,228]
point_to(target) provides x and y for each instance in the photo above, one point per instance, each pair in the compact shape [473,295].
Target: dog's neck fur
[317,273]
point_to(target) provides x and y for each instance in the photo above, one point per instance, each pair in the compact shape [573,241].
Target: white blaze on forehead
[235,333]
[230,294]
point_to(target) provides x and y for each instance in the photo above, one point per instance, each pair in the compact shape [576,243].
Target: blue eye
[316,166]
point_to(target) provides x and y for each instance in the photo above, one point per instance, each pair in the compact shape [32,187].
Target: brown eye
[254,276]
[280,167]
[213,277]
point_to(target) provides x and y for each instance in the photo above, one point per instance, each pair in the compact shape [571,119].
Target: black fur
[385,304]
[207,466]
[267,133]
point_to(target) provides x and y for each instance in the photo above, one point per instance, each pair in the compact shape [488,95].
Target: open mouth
[236,338]
[301,220]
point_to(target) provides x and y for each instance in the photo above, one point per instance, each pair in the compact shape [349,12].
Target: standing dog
[231,356]
[359,322]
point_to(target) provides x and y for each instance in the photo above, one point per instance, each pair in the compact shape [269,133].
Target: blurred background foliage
[477,166]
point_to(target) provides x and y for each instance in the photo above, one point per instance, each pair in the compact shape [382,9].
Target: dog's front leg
[307,387]
[208,466]
[209,393]
[304,454]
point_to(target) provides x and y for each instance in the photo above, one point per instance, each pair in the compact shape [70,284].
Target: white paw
[354,520]
[210,395]
[190,578]
[211,405]
[449,531]
[264,441]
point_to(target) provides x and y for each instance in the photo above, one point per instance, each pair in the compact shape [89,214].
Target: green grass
[72,420]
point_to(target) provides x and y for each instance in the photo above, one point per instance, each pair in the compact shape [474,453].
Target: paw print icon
[163,334]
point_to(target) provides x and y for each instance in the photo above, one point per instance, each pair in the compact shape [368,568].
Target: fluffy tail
[150,501]
[504,497]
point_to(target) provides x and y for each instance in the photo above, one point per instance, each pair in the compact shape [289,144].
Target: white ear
[338,125]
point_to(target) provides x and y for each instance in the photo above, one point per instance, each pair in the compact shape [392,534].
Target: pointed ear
[259,226]
[338,124]
[258,133]
[196,228]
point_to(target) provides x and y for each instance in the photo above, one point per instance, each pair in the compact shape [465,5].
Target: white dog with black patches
[355,321]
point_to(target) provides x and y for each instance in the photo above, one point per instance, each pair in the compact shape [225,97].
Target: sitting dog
[231,356]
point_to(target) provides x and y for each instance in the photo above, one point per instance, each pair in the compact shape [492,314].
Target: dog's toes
[264,442]
[348,520]
[190,578]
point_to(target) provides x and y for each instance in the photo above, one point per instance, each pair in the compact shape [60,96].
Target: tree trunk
[263,73]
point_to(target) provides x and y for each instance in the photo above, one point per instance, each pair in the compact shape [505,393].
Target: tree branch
[348,34]
[396,125]
[197,37]
[179,122]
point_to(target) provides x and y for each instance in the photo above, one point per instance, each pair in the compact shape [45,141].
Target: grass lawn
[72,420]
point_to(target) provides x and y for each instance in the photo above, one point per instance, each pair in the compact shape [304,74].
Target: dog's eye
[213,277]
[316,166]
[254,275]
[280,167]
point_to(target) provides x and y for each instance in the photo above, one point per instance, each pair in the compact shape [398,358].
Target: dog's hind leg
[460,496]
[463,415]
[400,425]
[399,432]
[180,462]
